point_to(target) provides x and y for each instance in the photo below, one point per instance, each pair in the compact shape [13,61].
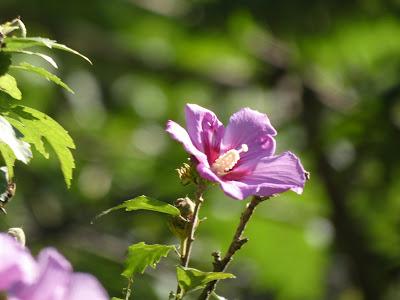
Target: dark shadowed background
[326,72]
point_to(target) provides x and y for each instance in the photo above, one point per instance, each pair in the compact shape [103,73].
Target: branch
[188,243]
[220,265]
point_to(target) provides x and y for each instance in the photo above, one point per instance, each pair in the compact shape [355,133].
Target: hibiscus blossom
[49,278]
[240,157]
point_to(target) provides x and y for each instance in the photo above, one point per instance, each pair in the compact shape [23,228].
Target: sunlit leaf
[9,158]
[217,297]
[18,43]
[140,256]
[47,58]
[36,126]
[8,85]
[20,148]
[42,72]
[191,279]
[144,203]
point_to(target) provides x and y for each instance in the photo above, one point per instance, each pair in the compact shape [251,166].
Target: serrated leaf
[19,43]
[144,203]
[8,85]
[190,279]
[47,58]
[42,72]
[140,256]
[20,149]
[35,127]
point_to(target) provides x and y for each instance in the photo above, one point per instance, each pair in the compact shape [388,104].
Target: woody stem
[220,265]
[188,242]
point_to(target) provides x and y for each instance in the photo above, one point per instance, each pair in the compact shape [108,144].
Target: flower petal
[85,286]
[17,265]
[179,134]
[231,188]
[205,130]
[54,276]
[252,128]
[276,174]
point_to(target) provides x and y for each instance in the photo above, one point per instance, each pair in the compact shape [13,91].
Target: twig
[220,265]
[187,247]
[129,289]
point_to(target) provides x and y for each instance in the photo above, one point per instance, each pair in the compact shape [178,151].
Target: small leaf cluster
[22,126]
[141,255]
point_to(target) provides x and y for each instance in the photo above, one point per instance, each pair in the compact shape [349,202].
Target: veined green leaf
[115,298]
[144,203]
[140,256]
[8,84]
[42,72]
[44,56]
[190,279]
[18,43]
[36,126]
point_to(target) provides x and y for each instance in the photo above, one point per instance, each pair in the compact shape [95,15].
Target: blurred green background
[327,74]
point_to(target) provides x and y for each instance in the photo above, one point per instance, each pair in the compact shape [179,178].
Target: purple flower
[240,157]
[49,278]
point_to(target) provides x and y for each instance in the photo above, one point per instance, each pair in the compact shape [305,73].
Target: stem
[129,289]
[220,265]
[186,244]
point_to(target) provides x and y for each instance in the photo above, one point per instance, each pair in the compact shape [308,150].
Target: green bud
[186,207]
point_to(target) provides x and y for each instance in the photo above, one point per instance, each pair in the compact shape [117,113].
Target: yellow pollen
[228,160]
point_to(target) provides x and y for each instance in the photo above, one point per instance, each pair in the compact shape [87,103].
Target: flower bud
[18,234]
[179,227]
[186,207]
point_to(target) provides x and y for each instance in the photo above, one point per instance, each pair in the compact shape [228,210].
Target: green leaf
[8,84]
[140,256]
[35,127]
[20,149]
[144,203]
[42,72]
[47,58]
[190,279]
[4,179]
[18,43]
[217,297]
[115,298]
[9,159]
[5,62]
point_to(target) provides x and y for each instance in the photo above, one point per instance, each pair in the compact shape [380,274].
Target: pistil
[228,160]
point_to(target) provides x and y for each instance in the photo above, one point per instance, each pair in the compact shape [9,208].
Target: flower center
[228,160]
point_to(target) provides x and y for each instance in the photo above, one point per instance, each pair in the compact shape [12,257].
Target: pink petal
[230,188]
[179,134]
[85,286]
[16,263]
[54,276]
[205,130]
[276,174]
[272,175]
[252,128]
